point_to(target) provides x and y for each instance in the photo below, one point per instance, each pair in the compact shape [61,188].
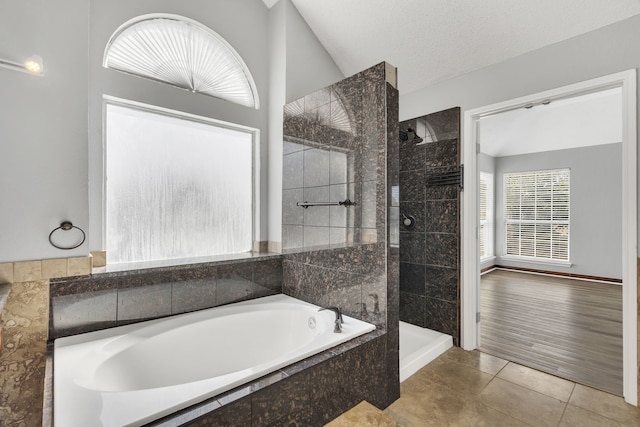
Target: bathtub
[131,375]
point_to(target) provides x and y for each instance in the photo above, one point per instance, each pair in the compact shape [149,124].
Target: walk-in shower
[429,238]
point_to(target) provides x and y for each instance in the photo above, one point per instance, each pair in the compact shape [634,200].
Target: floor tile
[475,359]
[477,414]
[537,381]
[454,375]
[431,404]
[605,404]
[363,414]
[578,417]
[521,403]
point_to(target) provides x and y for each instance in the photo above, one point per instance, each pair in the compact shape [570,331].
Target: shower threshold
[418,347]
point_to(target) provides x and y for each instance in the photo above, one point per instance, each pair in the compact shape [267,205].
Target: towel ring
[65,226]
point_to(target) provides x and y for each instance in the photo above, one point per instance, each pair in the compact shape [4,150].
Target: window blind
[536,212]
[485,232]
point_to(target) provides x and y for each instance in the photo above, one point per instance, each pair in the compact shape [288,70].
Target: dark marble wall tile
[317,99]
[412,247]
[78,305]
[442,216]
[291,213]
[292,236]
[293,164]
[412,278]
[441,249]
[193,295]
[413,309]
[412,156]
[77,313]
[416,210]
[442,153]
[374,303]
[233,415]
[412,187]
[268,273]
[316,236]
[443,124]
[442,316]
[441,192]
[441,283]
[338,215]
[324,287]
[142,303]
[338,167]
[369,201]
[234,289]
[354,276]
[360,259]
[280,400]
[317,216]
[316,170]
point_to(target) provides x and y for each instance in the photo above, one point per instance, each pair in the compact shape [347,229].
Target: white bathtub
[133,374]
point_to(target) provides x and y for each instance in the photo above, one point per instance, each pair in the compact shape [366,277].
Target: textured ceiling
[432,40]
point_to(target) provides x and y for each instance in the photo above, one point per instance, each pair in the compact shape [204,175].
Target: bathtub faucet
[337,328]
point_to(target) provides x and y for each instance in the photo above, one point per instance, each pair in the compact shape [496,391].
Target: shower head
[410,135]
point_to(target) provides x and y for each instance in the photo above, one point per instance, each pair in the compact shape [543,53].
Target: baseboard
[561,274]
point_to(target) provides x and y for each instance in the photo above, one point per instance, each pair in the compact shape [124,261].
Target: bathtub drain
[311,322]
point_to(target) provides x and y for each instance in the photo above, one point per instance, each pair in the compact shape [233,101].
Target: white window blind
[485,233]
[184,53]
[536,212]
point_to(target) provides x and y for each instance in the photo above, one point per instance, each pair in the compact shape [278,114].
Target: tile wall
[429,252]
[89,303]
[341,143]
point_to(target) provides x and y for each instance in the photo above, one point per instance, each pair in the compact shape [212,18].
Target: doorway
[471,268]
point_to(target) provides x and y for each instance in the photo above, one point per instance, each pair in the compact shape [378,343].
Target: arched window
[184,53]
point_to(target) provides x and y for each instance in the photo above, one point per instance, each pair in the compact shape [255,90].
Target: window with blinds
[485,232]
[536,212]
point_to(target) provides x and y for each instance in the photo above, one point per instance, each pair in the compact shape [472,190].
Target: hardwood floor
[565,327]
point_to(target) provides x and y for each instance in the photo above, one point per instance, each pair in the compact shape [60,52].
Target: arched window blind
[184,53]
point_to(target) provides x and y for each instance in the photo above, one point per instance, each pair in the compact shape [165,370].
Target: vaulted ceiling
[433,40]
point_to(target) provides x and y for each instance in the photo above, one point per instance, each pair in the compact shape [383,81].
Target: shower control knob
[408,221]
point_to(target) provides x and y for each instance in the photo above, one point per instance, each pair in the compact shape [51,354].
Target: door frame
[470,287]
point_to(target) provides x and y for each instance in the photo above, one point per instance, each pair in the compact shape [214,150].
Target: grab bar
[346,203]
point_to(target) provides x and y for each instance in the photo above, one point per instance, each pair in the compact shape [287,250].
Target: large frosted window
[175,187]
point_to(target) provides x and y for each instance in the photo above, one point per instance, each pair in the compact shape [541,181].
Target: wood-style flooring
[565,327]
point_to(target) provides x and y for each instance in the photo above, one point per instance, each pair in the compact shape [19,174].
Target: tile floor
[463,388]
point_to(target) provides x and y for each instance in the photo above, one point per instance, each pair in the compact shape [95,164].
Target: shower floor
[418,347]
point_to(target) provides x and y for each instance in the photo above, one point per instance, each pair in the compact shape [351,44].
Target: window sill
[143,265]
[540,261]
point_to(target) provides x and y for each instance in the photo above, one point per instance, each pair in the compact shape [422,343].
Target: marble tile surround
[355,124]
[23,357]
[429,252]
[26,271]
[89,303]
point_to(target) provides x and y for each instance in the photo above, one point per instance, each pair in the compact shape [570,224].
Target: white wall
[51,127]
[43,126]
[595,242]
[605,51]
[308,63]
